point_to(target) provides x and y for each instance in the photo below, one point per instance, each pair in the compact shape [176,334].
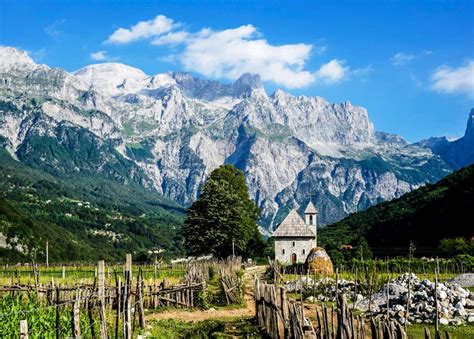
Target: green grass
[215,328]
[41,317]
[25,275]
[456,332]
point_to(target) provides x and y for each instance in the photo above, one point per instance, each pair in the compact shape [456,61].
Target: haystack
[319,262]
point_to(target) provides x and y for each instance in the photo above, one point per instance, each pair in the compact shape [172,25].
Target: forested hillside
[423,216]
[85,218]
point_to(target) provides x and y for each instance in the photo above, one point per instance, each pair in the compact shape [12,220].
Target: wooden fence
[127,299]
[282,317]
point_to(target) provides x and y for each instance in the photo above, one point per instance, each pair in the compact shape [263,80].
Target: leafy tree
[454,246]
[223,213]
[362,249]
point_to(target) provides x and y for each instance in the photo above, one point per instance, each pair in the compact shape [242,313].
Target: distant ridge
[424,216]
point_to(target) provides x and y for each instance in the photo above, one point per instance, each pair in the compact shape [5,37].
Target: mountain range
[167,132]
[424,216]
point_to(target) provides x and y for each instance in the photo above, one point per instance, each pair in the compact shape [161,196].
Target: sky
[410,63]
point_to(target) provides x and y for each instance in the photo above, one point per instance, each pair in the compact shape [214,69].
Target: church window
[304,251]
[310,219]
[283,251]
[293,244]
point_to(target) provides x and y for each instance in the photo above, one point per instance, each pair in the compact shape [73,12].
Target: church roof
[293,226]
[310,209]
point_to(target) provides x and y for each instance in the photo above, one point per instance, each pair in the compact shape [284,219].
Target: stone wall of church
[285,247]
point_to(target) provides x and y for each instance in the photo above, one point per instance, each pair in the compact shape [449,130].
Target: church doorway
[293,258]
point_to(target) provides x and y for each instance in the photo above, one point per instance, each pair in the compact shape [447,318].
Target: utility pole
[47,253]
[233,248]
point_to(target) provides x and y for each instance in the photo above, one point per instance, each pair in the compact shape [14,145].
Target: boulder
[319,262]
[444,321]
[442,294]
[464,280]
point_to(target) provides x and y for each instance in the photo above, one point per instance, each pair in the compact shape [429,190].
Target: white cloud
[333,71]
[228,53]
[99,56]
[402,58]
[54,30]
[447,79]
[171,38]
[142,30]
[231,52]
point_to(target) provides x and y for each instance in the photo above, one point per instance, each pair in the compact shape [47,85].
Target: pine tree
[223,213]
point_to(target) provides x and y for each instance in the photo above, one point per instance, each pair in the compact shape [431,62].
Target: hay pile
[319,262]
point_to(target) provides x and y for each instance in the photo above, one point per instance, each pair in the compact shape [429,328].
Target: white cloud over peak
[142,30]
[231,52]
[99,56]
[333,71]
[228,53]
[402,58]
[447,79]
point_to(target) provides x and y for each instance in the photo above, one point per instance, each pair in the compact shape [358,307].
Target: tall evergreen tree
[223,213]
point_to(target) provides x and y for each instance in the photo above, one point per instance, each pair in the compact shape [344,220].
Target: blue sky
[410,63]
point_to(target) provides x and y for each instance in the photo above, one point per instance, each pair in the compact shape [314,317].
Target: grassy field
[215,328]
[69,274]
[456,332]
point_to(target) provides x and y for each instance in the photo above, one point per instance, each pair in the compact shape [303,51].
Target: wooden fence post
[127,309]
[118,285]
[23,329]
[89,310]
[101,294]
[76,321]
[57,312]
[284,310]
[141,314]
[388,298]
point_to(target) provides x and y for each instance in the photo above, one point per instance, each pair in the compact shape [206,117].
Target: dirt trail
[199,315]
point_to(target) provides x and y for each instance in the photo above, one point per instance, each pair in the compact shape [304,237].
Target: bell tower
[311,219]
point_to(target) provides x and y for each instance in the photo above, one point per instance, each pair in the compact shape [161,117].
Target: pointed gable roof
[310,209]
[293,226]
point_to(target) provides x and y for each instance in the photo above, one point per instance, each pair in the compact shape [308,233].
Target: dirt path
[199,315]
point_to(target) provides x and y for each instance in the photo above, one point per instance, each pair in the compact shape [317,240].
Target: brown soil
[198,315]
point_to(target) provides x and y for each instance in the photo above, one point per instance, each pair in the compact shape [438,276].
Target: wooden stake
[436,301]
[117,316]
[141,314]
[101,294]
[23,329]
[47,253]
[76,321]
[57,312]
[128,287]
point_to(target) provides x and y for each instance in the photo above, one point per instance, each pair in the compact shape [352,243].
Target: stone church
[295,237]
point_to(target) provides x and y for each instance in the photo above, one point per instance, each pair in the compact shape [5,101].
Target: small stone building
[295,237]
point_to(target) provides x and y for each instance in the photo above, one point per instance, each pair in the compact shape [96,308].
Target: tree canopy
[223,213]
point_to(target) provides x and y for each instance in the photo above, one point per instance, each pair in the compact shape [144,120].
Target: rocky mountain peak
[112,78]
[246,83]
[12,58]
[469,134]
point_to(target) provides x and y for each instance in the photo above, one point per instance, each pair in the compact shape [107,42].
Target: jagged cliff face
[457,153]
[167,132]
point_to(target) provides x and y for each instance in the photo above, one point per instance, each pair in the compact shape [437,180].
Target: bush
[455,246]
[204,300]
